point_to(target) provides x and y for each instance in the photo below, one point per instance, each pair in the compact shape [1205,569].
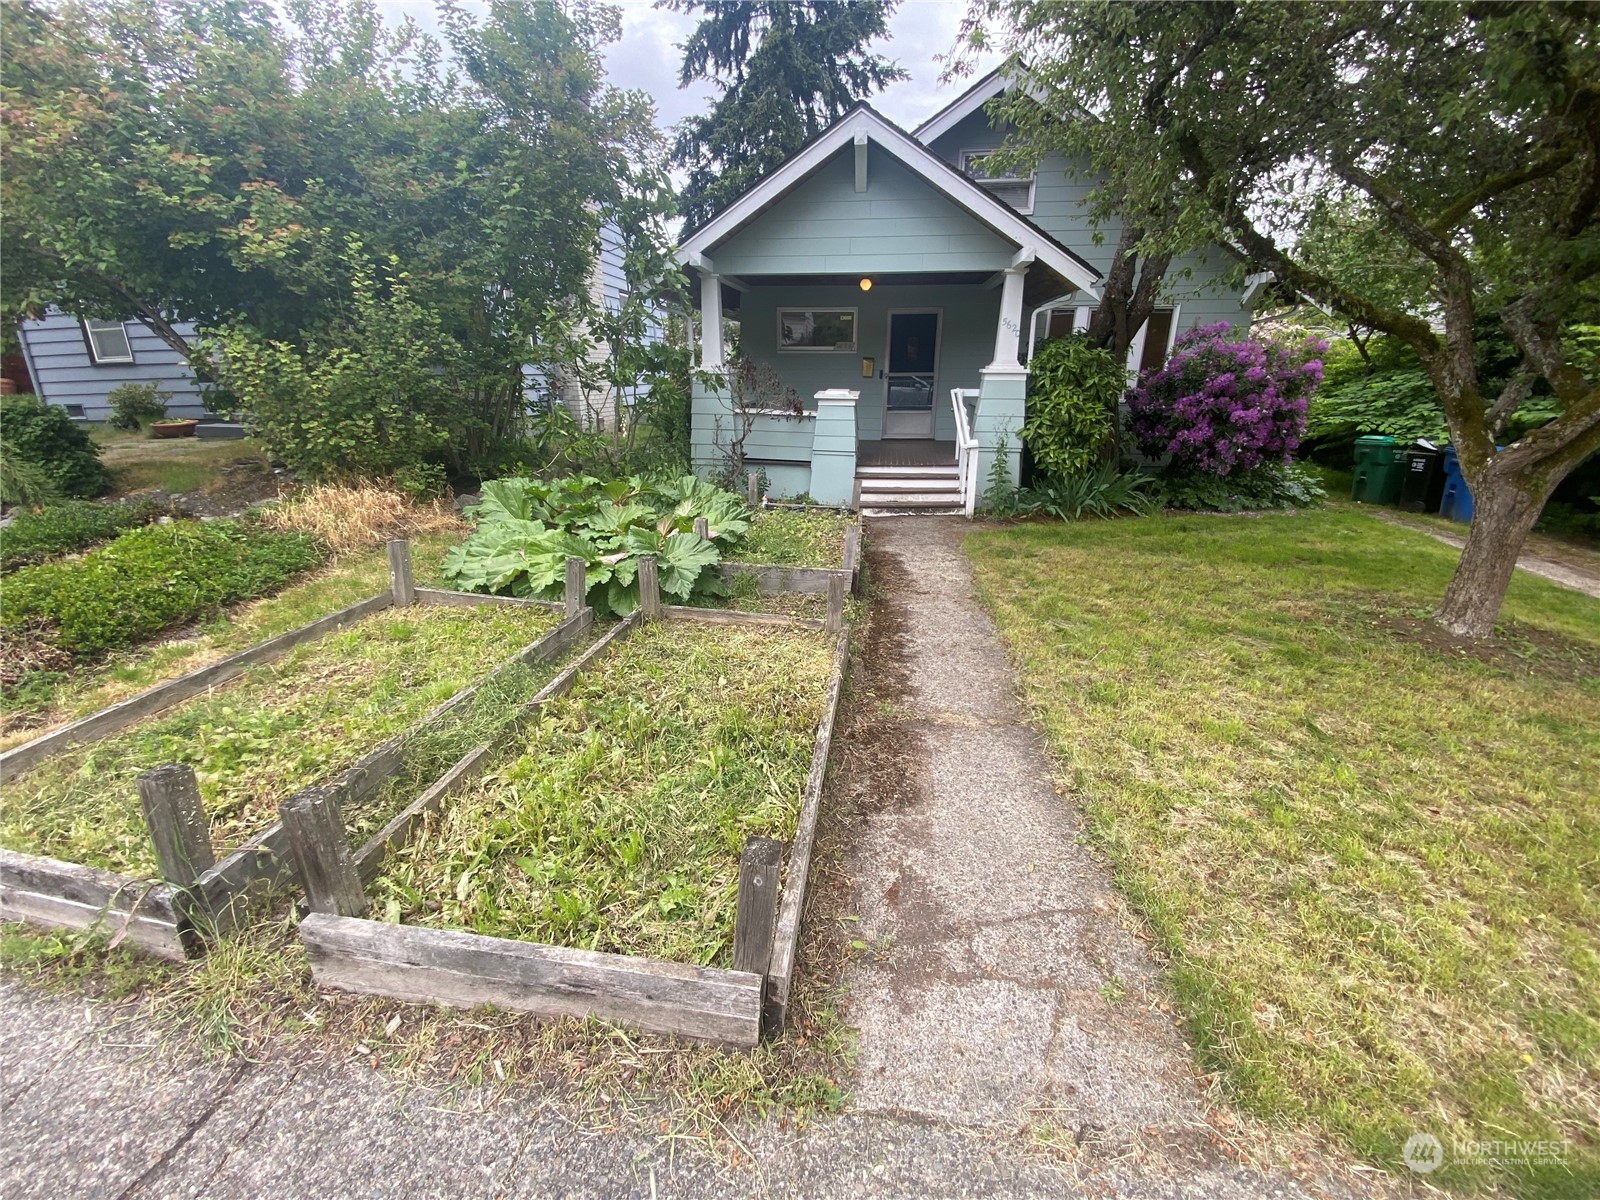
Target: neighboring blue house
[75,364]
[899,291]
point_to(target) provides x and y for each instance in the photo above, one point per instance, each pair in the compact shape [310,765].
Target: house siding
[899,224]
[63,373]
[1202,283]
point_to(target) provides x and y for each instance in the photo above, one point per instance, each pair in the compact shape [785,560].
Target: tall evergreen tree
[787,69]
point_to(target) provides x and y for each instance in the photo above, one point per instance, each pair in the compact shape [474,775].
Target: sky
[648,56]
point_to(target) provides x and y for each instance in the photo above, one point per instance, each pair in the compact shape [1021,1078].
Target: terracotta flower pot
[172,429]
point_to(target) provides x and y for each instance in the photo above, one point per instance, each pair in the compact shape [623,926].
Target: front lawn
[1371,853]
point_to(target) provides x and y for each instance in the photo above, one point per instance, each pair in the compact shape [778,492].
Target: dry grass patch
[347,518]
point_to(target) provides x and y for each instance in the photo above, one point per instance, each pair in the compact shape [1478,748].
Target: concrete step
[909,499]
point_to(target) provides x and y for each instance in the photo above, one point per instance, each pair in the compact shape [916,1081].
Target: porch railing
[966,448]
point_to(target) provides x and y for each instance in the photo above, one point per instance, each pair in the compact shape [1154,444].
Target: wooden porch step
[913,512]
[922,483]
[951,472]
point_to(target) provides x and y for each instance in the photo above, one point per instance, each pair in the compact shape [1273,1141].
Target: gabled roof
[963,106]
[864,122]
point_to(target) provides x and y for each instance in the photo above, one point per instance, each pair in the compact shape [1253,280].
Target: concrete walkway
[1567,575]
[1001,1001]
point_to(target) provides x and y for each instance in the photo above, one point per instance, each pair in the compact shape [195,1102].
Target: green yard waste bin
[1380,469]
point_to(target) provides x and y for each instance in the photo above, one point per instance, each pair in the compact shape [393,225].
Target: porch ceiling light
[866,284]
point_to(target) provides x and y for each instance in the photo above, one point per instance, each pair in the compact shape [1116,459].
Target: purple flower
[1221,405]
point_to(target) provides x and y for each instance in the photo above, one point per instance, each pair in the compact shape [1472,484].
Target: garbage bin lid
[1376,439]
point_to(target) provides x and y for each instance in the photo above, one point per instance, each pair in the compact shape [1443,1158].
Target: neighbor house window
[108,342]
[1008,186]
[817,329]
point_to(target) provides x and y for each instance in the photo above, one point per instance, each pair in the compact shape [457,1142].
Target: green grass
[140,463]
[794,539]
[253,742]
[1371,853]
[619,825]
[52,700]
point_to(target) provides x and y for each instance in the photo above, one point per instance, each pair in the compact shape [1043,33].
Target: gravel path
[1565,574]
[1001,1000]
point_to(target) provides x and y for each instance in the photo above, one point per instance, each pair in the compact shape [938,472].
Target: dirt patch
[1520,650]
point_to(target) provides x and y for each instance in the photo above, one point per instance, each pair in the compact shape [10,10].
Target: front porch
[885,295]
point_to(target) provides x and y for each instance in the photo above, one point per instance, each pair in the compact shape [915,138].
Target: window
[1154,341]
[108,342]
[817,329]
[75,411]
[1052,321]
[1006,186]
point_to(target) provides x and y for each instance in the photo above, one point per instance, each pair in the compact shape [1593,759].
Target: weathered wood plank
[180,831]
[752,489]
[733,616]
[369,859]
[466,970]
[576,586]
[61,895]
[835,621]
[478,599]
[263,861]
[852,556]
[756,909]
[649,588]
[562,683]
[125,712]
[402,582]
[314,820]
[780,972]
[772,580]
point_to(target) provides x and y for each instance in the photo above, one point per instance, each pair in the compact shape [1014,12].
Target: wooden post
[314,820]
[752,485]
[702,528]
[755,915]
[649,588]
[170,797]
[577,573]
[401,582]
[852,548]
[835,603]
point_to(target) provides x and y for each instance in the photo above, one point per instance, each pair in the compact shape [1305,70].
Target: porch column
[710,321]
[833,448]
[1008,330]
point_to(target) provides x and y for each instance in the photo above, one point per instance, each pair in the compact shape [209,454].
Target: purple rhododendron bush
[1226,402]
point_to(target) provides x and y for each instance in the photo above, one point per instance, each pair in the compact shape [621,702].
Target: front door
[913,360]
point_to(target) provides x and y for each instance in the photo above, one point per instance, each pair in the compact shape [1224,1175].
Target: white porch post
[1008,331]
[710,321]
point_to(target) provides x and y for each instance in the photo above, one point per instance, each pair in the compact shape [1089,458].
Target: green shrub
[1270,485]
[1400,402]
[1073,389]
[63,528]
[363,398]
[21,481]
[134,405]
[150,579]
[1102,492]
[45,437]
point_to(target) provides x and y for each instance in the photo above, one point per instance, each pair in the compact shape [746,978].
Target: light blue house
[898,290]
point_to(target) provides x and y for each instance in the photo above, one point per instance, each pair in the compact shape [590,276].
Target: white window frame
[91,327]
[1080,320]
[1136,351]
[837,347]
[984,180]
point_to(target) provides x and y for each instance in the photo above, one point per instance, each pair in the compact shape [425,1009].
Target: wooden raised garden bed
[776,579]
[194,893]
[425,951]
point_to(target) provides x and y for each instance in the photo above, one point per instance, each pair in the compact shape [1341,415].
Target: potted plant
[173,429]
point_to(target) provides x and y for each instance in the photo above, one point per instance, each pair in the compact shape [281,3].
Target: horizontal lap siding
[1196,281]
[900,223]
[63,373]
[966,342]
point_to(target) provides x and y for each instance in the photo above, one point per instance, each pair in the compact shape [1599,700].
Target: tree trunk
[1503,513]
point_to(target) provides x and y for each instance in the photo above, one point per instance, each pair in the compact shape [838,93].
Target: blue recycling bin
[1456,502]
